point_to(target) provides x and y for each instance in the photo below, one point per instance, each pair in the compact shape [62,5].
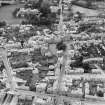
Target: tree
[45,16]
[100,93]
[2,24]
[37,5]
[89,3]
[77,16]
[61,46]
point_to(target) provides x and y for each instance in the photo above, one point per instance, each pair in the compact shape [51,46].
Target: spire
[60,27]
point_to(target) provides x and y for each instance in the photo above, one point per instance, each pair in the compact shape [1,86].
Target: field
[6,14]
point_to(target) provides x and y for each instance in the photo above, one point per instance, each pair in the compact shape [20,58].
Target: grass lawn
[6,14]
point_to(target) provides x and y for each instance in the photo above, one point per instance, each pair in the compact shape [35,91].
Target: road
[6,14]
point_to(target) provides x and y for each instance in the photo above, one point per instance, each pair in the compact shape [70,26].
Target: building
[7,1]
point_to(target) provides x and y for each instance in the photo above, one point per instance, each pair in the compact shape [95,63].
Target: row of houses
[11,1]
[7,2]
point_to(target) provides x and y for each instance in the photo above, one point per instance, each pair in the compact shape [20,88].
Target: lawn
[6,14]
